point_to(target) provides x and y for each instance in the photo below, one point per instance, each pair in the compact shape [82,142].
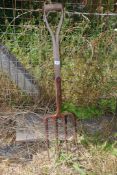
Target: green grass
[85,112]
[91,111]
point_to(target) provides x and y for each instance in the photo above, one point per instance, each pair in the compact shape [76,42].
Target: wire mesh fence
[88,53]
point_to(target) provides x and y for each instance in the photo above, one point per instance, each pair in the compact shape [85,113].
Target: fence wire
[88,53]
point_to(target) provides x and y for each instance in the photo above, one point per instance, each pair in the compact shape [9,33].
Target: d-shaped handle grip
[53,7]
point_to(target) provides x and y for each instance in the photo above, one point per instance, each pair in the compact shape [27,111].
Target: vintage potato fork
[58,116]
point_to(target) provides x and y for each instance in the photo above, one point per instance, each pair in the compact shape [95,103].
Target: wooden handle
[53,7]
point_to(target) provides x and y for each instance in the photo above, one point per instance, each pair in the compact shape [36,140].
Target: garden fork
[48,8]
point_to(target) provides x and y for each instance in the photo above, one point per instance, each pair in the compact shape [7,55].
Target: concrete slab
[30,127]
[10,66]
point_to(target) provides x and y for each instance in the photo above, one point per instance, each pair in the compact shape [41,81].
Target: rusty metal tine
[75,128]
[56,133]
[65,130]
[47,135]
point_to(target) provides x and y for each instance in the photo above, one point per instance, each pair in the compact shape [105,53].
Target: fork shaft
[58,95]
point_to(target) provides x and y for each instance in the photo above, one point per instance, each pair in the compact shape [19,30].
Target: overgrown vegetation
[88,57]
[102,107]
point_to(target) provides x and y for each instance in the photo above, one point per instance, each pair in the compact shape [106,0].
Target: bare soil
[13,122]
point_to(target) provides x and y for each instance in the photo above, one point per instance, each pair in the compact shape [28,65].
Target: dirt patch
[14,123]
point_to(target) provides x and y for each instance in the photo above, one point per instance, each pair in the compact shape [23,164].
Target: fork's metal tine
[65,130]
[75,128]
[64,118]
[56,133]
[47,135]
